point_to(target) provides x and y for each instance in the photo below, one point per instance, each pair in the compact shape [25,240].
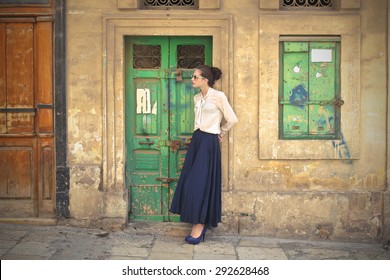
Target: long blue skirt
[198,193]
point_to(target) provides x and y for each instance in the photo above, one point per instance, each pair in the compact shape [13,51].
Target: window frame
[272,26]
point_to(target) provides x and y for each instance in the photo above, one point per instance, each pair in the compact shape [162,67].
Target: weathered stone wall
[268,190]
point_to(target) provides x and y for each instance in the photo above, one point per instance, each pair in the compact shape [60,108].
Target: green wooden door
[159,118]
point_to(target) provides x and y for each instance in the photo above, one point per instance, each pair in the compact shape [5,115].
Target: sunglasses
[197,77]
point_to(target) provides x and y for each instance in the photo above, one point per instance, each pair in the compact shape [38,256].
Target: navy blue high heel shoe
[195,241]
[189,235]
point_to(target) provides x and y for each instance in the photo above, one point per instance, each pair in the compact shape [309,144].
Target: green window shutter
[309,99]
[323,88]
[295,88]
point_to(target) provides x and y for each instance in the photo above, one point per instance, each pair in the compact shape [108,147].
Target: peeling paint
[77,147]
[92,111]
[144,102]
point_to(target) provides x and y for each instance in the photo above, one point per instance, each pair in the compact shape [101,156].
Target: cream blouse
[210,110]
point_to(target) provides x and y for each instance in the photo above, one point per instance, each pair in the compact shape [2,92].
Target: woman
[198,193]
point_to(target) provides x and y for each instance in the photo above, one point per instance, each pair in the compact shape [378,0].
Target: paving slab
[172,246]
[7,244]
[213,256]
[259,253]
[32,248]
[11,234]
[258,242]
[216,247]
[170,256]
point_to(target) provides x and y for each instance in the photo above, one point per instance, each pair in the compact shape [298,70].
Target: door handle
[166,179]
[146,143]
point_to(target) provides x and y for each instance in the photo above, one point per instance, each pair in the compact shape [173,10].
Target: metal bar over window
[299,4]
[169,4]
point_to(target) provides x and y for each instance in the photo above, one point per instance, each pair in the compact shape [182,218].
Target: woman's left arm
[228,114]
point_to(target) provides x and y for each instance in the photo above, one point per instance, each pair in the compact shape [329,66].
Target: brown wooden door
[27,157]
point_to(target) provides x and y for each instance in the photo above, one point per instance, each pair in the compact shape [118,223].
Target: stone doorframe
[115,27]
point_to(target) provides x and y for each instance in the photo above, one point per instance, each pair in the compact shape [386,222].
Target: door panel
[322,80]
[27,156]
[20,46]
[19,89]
[18,181]
[296,86]
[159,117]
[146,124]
[186,54]
[3,75]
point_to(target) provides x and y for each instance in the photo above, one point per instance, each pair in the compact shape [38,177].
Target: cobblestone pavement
[164,241]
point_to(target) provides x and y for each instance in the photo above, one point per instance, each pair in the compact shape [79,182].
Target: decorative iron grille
[189,57]
[308,3]
[146,57]
[168,4]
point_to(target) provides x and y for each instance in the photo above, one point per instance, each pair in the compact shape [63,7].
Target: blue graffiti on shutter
[299,96]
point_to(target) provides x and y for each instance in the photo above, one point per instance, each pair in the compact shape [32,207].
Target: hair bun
[216,72]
